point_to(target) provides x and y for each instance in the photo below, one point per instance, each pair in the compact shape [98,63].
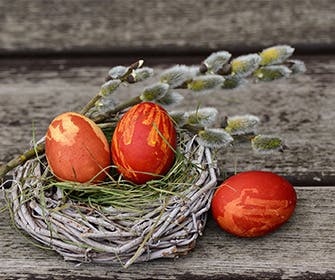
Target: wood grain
[118,26]
[300,109]
[301,249]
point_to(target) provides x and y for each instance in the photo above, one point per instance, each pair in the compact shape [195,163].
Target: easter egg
[253,203]
[77,149]
[143,143]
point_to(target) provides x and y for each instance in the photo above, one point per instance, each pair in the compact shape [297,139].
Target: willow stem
[133,101]
[136,65]
[32,153]
[124,78]
[107,125]
[91,103]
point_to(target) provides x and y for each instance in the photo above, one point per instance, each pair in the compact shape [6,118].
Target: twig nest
[77,149]
[130,223]
[144,143]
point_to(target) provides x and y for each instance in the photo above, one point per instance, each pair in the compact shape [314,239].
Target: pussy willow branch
[40,148]
[124,78]
[118,108]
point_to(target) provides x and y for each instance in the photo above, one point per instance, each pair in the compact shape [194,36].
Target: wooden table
[40,78]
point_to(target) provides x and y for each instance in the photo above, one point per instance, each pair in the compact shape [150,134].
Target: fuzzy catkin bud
[296,66]
[266,144]
[272,72]
[203,117]
[170,98]
[205,84]
[117,72]
[276,54]
[178,117]
[232,82]
[241,125]
[109,87]
[214,138]
[143,73]
[154,92]
[244,65]
[176,75]
[216,61]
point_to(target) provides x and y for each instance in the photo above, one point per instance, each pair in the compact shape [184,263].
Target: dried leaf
[214,138]
[276,54]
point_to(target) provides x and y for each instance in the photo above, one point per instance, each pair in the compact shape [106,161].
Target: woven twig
[81,233]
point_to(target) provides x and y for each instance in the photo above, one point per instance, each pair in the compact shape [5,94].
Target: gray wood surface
[82,26]
[300,109]
[301,249]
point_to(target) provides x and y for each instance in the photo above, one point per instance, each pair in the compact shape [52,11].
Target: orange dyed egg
[77,149]
[142,142]
[253,203]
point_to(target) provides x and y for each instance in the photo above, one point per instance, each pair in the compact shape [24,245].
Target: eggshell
[142,142]
[253,203]
[76,149]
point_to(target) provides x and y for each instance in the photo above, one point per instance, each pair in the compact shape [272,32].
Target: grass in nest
[125,196]
[114,193]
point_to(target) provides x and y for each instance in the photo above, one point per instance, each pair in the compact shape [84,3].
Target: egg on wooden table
[77,149]
[253,203]
[143,143]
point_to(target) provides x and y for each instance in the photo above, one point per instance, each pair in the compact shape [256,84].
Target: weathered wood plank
[81,26]
[300,109]
[303,248]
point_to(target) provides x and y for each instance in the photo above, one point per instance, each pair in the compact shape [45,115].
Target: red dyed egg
[253,203]
[142,142]
[77,149]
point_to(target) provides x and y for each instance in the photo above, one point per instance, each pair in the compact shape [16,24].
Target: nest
[166,227]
